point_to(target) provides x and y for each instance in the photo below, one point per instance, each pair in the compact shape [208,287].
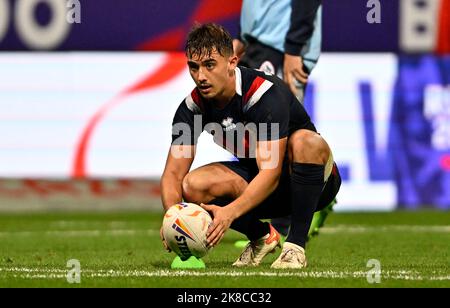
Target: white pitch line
[385,228]
[34,273]
[85,233]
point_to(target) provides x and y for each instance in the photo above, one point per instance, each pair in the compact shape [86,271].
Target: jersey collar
[238,81]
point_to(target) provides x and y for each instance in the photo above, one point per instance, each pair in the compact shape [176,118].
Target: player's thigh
[306,146]
[215,180]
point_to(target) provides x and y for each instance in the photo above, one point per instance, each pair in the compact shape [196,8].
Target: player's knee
[308,147]
[194,188]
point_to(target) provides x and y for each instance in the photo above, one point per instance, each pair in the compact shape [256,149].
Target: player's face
[213,74]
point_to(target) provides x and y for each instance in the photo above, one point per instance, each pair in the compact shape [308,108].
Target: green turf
[124,250]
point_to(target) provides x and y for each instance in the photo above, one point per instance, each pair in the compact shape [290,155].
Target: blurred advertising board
[97,115]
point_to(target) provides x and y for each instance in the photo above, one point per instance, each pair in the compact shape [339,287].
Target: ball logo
[181,206]
[179,227]
[185,230]
[183,246]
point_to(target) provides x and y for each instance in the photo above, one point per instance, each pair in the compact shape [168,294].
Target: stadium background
[87,118]
[85,114]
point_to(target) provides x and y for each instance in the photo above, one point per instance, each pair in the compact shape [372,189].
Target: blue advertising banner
[420,132]
[348,25]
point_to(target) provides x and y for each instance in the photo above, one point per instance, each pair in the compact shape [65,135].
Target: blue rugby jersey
[290,26]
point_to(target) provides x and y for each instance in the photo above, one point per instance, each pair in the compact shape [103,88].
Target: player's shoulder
[252,79]
[194,102]
[254,84]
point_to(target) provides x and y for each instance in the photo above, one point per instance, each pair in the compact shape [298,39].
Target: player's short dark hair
[203,39]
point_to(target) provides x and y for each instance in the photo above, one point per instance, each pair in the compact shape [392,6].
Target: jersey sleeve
[270,114]
[301,28]
[184,131]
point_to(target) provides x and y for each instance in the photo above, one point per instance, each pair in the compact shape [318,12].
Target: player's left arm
[271,116]
[269,157]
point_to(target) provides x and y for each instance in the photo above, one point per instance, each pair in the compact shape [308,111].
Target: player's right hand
[166,247]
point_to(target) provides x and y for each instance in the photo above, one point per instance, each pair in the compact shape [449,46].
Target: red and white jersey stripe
[194,102]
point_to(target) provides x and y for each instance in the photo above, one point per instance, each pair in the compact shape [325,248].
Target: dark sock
[252,227]
[281,224]
[306,188]
[248,225]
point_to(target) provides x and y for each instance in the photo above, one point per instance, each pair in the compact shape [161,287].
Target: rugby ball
[184,229]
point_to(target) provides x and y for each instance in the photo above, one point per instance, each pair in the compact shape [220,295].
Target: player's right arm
[172,179]
[182,150]
[180,157]
[179,161]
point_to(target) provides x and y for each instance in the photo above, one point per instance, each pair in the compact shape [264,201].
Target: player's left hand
[222,219]
[293,70]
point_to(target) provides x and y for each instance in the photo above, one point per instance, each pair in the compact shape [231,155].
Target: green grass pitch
[124,250]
